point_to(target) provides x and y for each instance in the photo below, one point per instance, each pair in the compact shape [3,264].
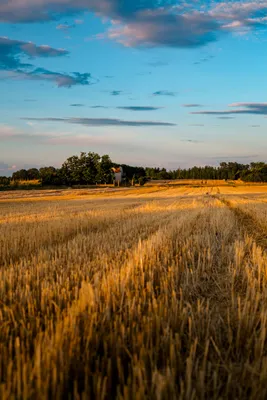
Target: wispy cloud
[191,141]
[164,93]
[204,60]
[121,146]
[193,105]
[236,157]
[76,105]
[99,107]
[7,131]
[12,52]
[139,108]
[60,79]
[65,27]
[239,108]
[226,118]
[157,64]
[6,169]
[101,122]
[116,92]
[130,108]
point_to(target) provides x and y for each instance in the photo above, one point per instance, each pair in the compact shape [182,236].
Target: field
[157,292]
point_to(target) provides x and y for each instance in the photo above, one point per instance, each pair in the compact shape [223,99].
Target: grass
[140,293]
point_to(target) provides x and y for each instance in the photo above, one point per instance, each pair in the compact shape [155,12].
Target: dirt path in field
[248,224]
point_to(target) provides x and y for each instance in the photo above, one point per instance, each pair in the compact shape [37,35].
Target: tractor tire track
[249,225]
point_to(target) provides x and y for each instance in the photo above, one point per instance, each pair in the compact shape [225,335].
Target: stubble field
[143,293]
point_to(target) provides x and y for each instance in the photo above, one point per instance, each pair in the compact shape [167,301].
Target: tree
[33,173]
[104,174]
[50,176]
[4,181]
[81,170]
[20,175]
[89,163]
[70,171]
[142,180]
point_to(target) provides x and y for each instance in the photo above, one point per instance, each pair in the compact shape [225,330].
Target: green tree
[50,176]
[20,175]
[142,180]
[89,164]
[104,174]
[70,171]
[33,173]
[81,169]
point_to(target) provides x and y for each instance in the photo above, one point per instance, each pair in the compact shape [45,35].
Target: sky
[163,83]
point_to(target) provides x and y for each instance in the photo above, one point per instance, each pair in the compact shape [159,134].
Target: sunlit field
[157,292]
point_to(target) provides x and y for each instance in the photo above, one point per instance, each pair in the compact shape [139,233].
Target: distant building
[118,175]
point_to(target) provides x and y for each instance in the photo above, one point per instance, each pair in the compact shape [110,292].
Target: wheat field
[140,293]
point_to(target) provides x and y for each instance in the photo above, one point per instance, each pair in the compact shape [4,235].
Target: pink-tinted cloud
[149,23]
[165,28]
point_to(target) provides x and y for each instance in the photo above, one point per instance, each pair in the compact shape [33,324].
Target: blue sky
[166,83]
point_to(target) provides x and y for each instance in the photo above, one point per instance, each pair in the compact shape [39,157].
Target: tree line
[91,168]
[85,169]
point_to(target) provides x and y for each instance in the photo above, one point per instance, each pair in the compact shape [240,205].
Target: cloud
[7,131]
[65,27]
[144,73]
[149,23]
[76,105]
[238,14]
[40,10]
[164,27]
[13,51]
[116,92]
[236,157]
[99,107]
[61,79]
[241,108]
[139,108]
[226,118]
[156,64]
[118,144]
[6,169]
[101,122]
[192,141]
[197,125]
[129,108]
[192,105]
[164,93]
[204,60]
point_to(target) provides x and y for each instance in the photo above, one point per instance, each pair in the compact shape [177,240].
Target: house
[118,175]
